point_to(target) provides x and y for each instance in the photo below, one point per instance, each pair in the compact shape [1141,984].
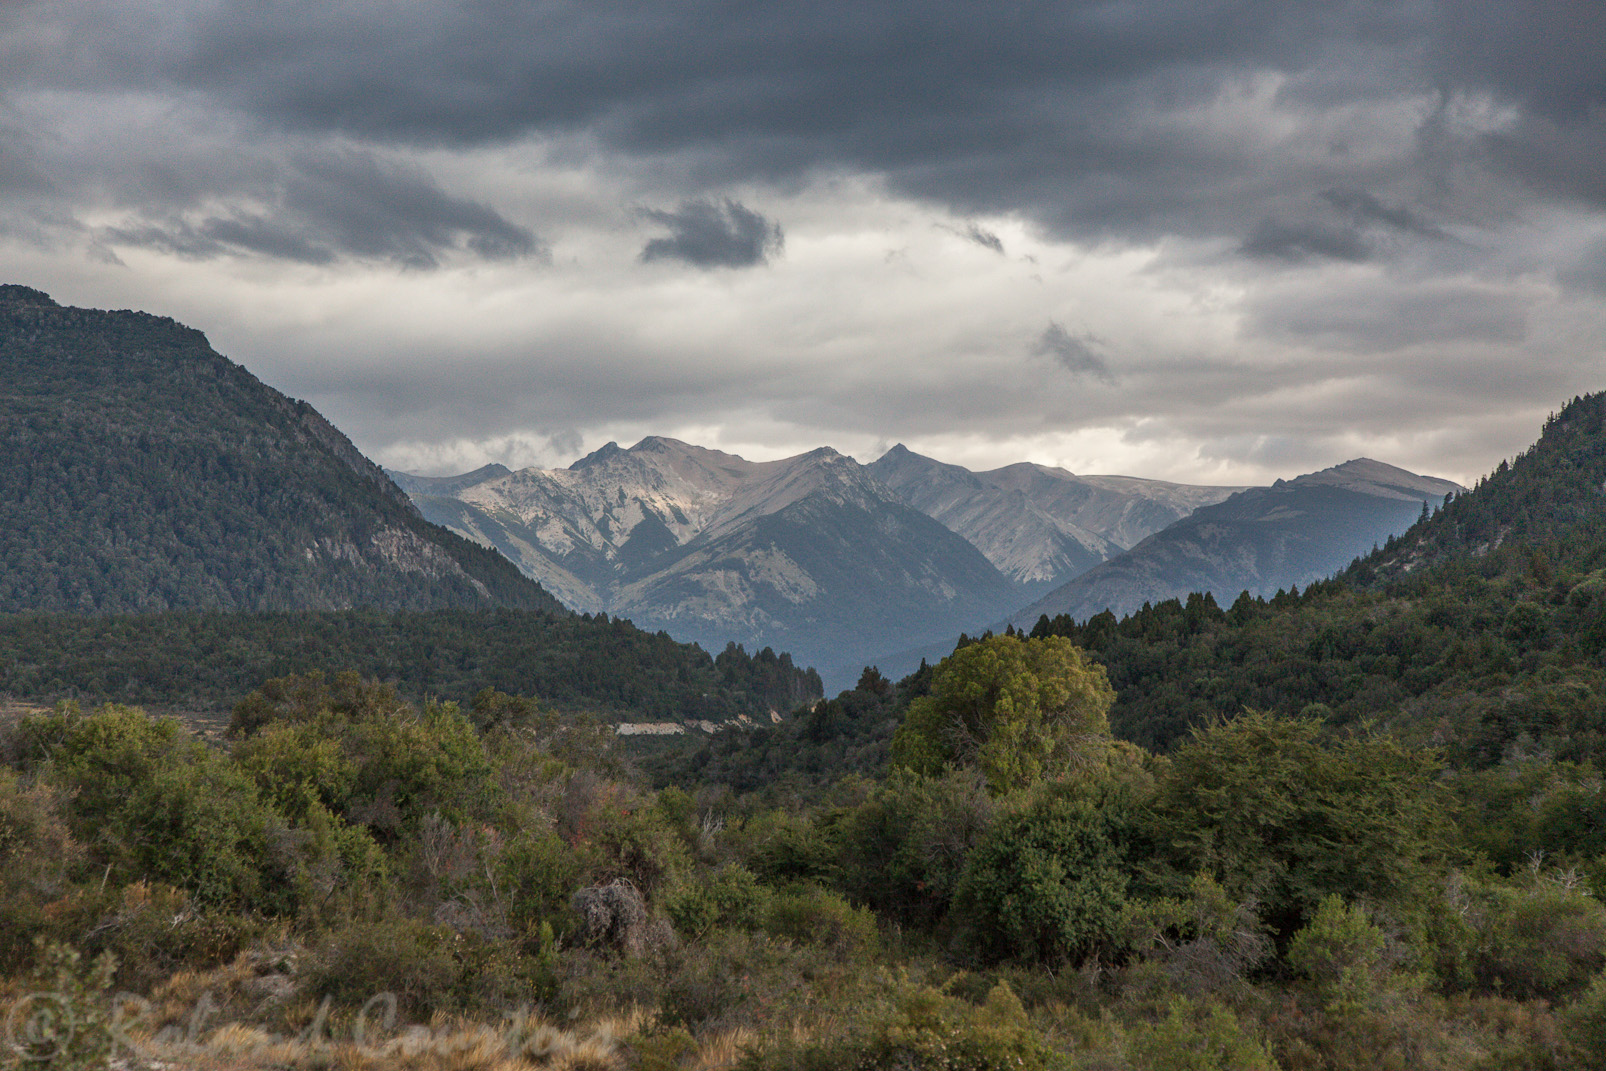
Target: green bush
[153,931]
[1341,952]
[925,1029]
[1585,1025]
[390,766]
[1541,939]
[1199,1037]
[820,917]
[728,897]
[1277,813]
[1046,884]
[538,874]
[37,856]
[404,957]
[903,850]
[297,768]
[66,1021]
[1016,710]
[154,802]
[640,846]
[782,846]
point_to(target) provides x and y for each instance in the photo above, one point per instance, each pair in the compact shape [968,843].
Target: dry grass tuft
[448,1043]
[723,1049]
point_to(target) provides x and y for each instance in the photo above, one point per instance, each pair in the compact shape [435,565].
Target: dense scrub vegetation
[1275,892]
[210,661]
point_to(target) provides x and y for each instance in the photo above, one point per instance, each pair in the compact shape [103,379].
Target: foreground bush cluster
[1018,890]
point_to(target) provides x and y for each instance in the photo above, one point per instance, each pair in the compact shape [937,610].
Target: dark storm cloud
[1033,106]
[984,238]
[708,235]
[1350,225]
[1364,209]
[1543,54]
[327,206]
[1075,113]
[1079,355]
[1296,241]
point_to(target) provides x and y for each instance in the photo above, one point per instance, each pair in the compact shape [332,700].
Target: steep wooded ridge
[810,553]
[1482,628]
[1041,526]
[142,471]
[1259,540]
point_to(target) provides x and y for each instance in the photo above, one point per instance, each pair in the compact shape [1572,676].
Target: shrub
[297,767]
[1017,710]
[400,956]
[614,917]
[1205,941]
[638,846]
[782,846]
[729,897]
[925,1029]
[154,930]
[391,766]
[155,802]
[1277,814]
[538,873]
[37,855]
[1341,952]
[820,917]
[65,1022]
[1046,884]
[1585,1025]
[1199,1037]
[1540,938]
[904,849]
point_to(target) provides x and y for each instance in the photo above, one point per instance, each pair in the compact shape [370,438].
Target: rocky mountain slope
[1260,540]
[810,553]
[1040,526]
[141,471]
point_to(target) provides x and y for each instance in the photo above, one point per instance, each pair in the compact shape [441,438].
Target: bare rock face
[1041,526]
[614,916]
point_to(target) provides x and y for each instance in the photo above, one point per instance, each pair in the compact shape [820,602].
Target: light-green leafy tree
[1017,710]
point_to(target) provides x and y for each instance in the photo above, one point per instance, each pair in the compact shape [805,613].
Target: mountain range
[1040,526]
[142,471]
[1261,540]
[811,553]
[845,564]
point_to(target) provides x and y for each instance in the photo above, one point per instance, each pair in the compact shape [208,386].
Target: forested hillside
[141,471]
[1482,628]
[202,662]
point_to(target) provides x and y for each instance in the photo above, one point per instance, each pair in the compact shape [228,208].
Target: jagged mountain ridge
[808,552]
[142,471]
[1260,540]
[1039,525]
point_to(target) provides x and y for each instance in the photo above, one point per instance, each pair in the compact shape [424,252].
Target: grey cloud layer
[1377,182]
[316,208]
[708,235]
[1074,113]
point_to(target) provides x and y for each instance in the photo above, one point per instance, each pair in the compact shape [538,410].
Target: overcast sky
[1200,240]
